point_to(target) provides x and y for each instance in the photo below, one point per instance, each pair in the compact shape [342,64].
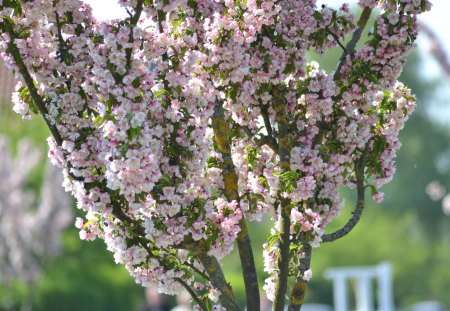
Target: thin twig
[62,45]
[194,296]
[335,37]
[61,42]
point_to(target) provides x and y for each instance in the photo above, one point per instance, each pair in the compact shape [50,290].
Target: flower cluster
[134,104]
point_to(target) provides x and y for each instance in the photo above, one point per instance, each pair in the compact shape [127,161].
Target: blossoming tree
[180,123]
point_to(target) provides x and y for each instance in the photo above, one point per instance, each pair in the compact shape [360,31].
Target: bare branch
[265,115]
[61,42]
[437,49]
[335,37]
[193,294]
[359,172]
[198,271]
[270,140]
[137,12]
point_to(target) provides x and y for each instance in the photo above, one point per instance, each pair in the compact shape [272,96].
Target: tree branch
[15,53]
[350,48]
[284,151]
[284,255]
[437,49]
[137,12]
[23,70]
[222,138]
[265,115]
[271,141]
[198,271]
[61,42]
[193,294]
[299,289]
[133,22]
[217,277]
[263,140]
[359,172]
[335,37]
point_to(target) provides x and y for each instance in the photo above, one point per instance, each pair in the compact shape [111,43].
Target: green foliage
[420,265]
[85,278]
[35,130]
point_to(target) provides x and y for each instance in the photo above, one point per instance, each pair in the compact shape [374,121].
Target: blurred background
[44,266]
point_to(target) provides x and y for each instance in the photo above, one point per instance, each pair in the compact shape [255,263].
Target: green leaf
[273,239]
[213,162]
[251,156]
[232,92]
[192,4]
[23,33]
[136,83]
[290,68]
[379,146]
[98,39]
[160,93]
[373,190]
[133,132]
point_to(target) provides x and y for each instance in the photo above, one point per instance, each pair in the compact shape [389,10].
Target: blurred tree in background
[84,276]
[31,222]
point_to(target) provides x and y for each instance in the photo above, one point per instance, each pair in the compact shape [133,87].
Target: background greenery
[407,229]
